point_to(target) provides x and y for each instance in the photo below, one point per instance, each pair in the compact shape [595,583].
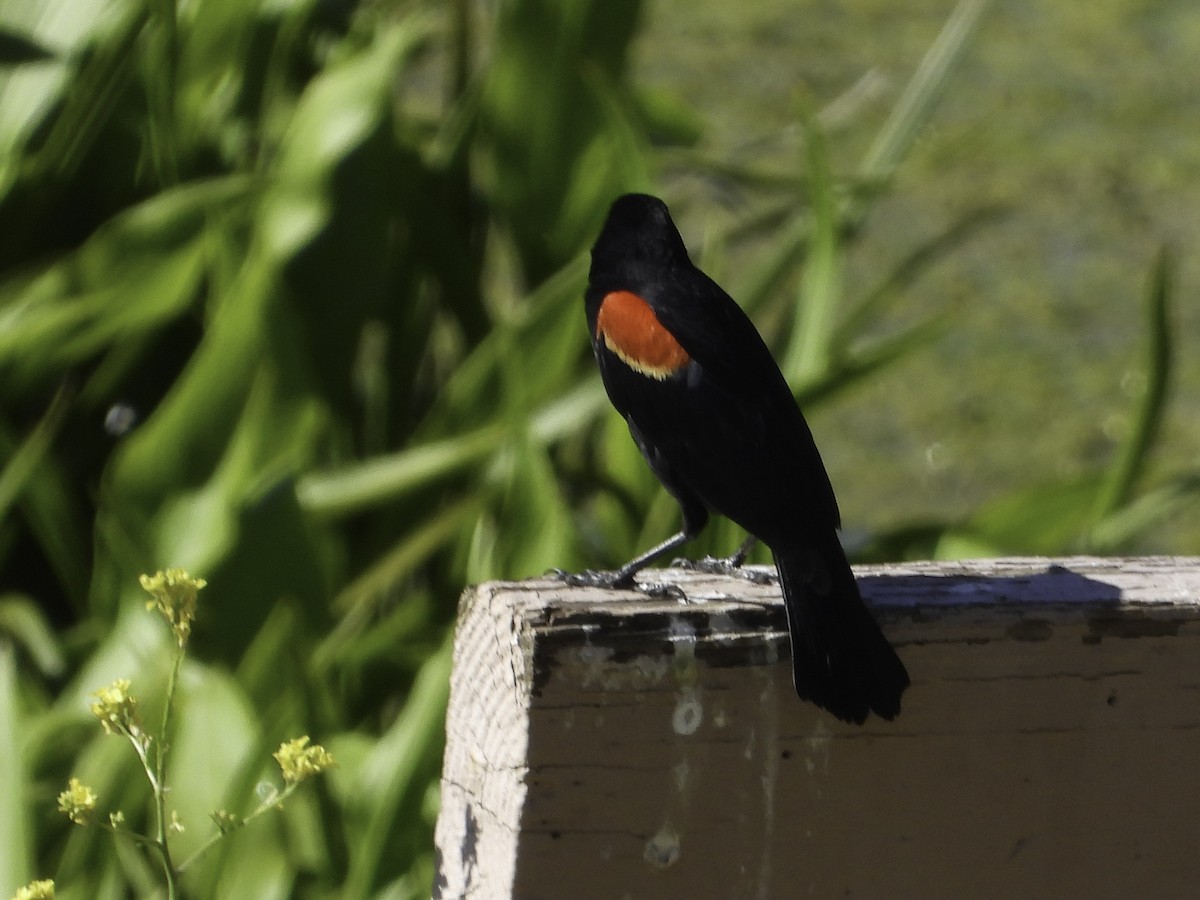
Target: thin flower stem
[158,779]
[139,747]
[270,803]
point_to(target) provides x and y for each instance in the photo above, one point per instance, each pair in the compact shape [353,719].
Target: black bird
[718,424]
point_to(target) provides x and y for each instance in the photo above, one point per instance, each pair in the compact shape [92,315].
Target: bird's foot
[723,565]
[618,580]
[710,565]
[664,591]
[593,578]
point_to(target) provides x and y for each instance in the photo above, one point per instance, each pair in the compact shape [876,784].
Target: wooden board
[618,745]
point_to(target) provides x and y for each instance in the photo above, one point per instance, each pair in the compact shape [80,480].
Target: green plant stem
[270,803]
[158,778]
[155,772]
[163,118]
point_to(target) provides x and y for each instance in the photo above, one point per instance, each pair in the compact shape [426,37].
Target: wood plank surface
[642,744]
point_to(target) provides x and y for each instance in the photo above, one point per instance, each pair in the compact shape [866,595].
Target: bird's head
[638,231]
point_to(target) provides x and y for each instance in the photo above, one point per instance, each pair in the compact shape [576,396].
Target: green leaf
[549,125]
[384,478]
[667,119]
[338,112]
[911,266]
[24,622]
[86,85]
[1043,519]
[866,362]
[1120,528]
[135,274]
[33,481]
[17,840]
[23,461]
[216,734]
[390,784]
[809,351]
[16,48]
[916,103]
[411,551]
[784,256]
[1131,461]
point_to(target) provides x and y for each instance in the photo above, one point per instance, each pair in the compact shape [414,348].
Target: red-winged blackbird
[716,421]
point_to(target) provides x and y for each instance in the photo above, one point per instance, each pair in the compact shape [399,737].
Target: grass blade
[14,823]
[1118,484]
[910,268]
[1142,513]
[384,478]
[23,620]
[409,553]
[808,355]
[24,461]
[923,89]
[863,364]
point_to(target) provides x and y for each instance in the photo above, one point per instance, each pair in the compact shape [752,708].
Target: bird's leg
[739,556]
[624,575]
[694,519]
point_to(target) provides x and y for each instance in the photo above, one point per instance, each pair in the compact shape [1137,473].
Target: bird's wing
[727,424]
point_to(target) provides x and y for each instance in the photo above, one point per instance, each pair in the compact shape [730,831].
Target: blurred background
[290,296]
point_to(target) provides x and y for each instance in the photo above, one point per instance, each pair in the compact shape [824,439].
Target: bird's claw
[592,578]
[723,565]
[664,591]
[710,565]
[617,581]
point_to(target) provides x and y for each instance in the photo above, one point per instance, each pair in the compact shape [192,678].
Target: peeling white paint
[770,775]
[819,744]
[652,669]
[663,849]
[689,713]
[722,627]
[594,663]
[680,771]
[681,629]
[720,718]
[591,665]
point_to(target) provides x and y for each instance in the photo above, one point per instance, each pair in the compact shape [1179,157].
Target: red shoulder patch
[630,329]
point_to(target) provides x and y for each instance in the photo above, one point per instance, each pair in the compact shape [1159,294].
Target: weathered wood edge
[504,627]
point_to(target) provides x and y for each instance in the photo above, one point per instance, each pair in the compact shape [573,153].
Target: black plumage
[717,423]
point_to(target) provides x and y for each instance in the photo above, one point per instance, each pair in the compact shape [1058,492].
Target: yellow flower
[116,709]
[174,592]
[77,802]
[300,761]
[36,890]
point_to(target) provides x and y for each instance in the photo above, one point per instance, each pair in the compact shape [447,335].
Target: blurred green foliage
[290,297]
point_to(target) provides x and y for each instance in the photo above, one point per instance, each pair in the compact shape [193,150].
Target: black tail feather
[840,659]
